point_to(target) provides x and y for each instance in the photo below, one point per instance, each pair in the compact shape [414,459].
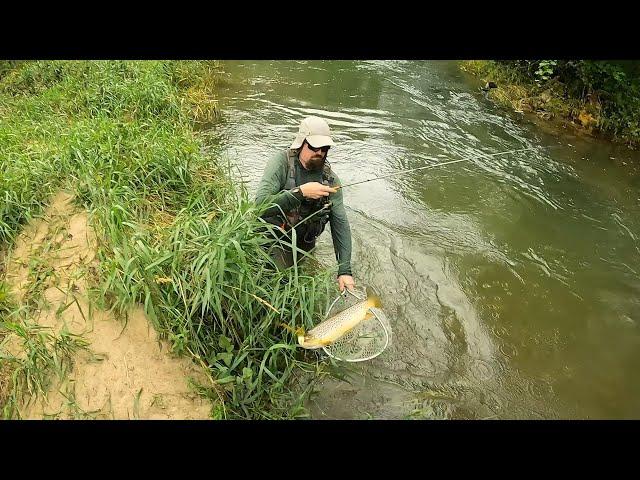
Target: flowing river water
[512,282]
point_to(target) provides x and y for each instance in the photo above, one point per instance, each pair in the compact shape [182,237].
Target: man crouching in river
[297,182]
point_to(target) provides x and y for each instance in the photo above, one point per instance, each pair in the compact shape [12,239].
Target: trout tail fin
[374,301]
[296,331]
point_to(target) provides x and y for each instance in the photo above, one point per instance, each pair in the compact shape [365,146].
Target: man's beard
[315,163]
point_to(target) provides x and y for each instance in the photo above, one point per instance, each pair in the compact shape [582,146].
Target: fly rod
[435,165]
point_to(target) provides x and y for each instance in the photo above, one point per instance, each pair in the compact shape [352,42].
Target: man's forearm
[341,235]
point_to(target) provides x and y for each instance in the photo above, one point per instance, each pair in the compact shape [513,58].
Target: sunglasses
[316,150]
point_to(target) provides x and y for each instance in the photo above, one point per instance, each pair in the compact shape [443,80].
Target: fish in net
[368,339]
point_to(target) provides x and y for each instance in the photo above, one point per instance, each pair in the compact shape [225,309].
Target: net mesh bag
[364,342]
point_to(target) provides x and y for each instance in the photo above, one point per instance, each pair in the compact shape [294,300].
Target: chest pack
[315,225]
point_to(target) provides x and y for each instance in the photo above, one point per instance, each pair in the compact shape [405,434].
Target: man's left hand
[346,281]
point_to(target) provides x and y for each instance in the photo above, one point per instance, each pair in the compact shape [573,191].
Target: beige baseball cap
[315,131]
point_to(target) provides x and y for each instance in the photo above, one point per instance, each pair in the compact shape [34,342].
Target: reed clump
[174,232]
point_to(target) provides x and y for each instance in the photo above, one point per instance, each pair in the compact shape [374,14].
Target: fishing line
[420,168]
[436,165]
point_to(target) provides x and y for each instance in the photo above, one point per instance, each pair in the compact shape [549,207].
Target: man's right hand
[315,190]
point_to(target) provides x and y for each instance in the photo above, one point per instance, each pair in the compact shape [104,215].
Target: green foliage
[545,70]
[608,89]
[6,66]
[5,301]
[46,355]
[175,234]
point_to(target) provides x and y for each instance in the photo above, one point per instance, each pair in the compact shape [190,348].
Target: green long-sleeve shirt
[272,189]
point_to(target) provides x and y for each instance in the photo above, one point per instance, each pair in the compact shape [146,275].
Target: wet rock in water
[488,86]
[544,114]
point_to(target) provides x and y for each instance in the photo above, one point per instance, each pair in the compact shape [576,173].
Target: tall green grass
[175,234]
[47,355]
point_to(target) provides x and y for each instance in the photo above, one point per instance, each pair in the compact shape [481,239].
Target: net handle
[344,294]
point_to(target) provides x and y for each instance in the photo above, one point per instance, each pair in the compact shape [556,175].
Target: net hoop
[327,349]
